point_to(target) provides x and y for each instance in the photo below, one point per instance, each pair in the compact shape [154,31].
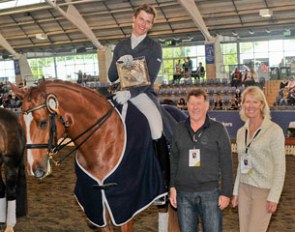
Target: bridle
[53,147]
[52,137]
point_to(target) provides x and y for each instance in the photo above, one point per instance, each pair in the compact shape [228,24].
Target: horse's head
[41,120]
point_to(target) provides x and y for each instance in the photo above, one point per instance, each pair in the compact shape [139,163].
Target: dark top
[152,52]
[215,153]
[283,85]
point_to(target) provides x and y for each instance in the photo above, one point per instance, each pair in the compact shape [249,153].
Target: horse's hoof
[9,229]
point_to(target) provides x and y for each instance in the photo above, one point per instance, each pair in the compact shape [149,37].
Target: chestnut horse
[13,197]
[118,185]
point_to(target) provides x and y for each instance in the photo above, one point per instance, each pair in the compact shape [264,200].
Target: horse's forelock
[34,92]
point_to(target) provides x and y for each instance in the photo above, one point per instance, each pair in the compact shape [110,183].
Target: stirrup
[161,200]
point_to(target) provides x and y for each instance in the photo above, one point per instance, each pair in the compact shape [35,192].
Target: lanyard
[197,136]
[246,135]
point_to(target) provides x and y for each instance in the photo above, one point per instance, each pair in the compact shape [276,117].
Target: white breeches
[150,110]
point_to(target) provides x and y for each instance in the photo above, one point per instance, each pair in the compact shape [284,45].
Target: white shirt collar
[135,40]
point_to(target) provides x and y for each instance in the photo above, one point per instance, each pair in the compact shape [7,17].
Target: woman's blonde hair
[256,93]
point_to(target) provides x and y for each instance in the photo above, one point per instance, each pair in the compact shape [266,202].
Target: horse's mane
[70,86]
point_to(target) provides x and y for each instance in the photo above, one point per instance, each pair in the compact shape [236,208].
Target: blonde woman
[261,170]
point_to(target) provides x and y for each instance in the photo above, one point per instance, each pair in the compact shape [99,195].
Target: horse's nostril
[39,173]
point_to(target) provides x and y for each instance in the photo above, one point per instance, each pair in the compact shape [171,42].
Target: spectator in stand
[6,100]
[236,77]
[181,104]
[236,100]
[178,72]
[245,75]
[283,86]
[254,75]
[2,87]
[284,97]
[284,83]
[11,101]
[80,77]
[190,65]
[200,71]
[185,65]
[178,69]
[188,79]
[291,97]
[238,95]
[291,84]
[248,79]
[218,104]
[234,105]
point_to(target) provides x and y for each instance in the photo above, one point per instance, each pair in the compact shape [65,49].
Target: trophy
[134,73]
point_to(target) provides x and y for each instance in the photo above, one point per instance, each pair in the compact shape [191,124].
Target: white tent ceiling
[62,22]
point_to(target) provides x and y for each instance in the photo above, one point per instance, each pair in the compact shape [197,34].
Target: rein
[97,124]
[52,148]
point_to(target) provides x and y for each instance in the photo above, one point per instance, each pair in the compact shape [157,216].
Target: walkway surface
[52,206]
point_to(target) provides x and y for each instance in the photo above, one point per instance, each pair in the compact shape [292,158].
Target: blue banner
[16,67]
[209,53]
[232,122]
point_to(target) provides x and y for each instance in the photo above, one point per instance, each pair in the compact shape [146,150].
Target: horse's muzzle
[39,173]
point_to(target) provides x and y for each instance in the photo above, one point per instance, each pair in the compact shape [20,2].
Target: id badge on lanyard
[194,158]
[246,162]
[246,165]
[194,155]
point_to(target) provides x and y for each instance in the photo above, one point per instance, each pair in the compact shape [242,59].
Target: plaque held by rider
[134,73]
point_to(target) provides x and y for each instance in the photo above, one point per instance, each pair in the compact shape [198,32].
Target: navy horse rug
[132,186]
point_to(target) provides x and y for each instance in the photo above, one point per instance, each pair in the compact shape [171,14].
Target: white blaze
[28,118]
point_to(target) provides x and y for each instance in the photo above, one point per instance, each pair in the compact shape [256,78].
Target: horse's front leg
[11,173]
[2,196]
[163,218]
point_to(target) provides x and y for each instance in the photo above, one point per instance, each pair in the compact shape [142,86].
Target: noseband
[52,137]
[52,146]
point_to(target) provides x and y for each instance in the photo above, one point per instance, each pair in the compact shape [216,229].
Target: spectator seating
[225,90]
[197,82]
[217,82]
[210,82]
[211,100]
[226,101]
[211,90]
[218,90]
[203,82]
[225,81]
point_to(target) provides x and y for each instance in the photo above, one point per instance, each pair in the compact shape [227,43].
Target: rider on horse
[144,97]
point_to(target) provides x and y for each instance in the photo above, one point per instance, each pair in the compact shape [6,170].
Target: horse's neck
[101,152]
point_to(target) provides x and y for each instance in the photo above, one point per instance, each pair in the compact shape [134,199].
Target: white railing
[290,149]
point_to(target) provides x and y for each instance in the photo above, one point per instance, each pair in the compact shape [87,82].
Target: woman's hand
[271,207]
[234,201]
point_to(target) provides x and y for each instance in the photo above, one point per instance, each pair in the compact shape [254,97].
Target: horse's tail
[21,191]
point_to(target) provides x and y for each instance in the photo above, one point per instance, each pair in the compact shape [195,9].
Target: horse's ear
[20,93]
[42,83]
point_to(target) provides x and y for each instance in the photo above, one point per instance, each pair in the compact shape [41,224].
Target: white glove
[122,96]
[126,59]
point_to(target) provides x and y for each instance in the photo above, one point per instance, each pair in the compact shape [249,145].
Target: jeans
[195,206]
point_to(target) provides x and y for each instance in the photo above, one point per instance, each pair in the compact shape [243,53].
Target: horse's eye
[43,124]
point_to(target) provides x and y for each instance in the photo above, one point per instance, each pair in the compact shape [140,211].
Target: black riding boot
[162,153]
